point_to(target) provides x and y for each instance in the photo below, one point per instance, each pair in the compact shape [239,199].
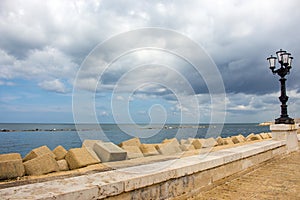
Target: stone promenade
[276,179]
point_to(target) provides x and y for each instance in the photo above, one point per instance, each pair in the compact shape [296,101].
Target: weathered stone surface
[242,137]
[131,142]
[264,135]
[43,164]
[269,134]
[11,166]
[63,165]
[38,152]
[149,149]
[108,151]
[197,143]
[253,136]
[60,152]
[93,153]
[237,139]
[90,143]
[228,141]
[169,147]
[185,141]
[209,142]
[133,152]
[79,157]
[187,147]
[220,141]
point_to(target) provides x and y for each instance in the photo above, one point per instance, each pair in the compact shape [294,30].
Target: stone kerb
[11,166]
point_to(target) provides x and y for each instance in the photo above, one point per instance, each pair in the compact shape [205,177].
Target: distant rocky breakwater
[96,155]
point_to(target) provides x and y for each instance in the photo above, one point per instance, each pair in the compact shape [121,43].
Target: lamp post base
[284,120]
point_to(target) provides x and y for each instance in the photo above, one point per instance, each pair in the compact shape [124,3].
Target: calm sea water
[22,138]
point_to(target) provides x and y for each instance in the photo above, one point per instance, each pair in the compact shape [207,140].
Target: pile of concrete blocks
[11,166]
[89,146]
[209,142]
[40,161]
[60,153]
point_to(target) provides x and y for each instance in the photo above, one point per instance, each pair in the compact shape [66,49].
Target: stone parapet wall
[169,179]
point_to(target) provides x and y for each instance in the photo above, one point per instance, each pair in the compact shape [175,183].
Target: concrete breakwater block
[131,142]
[197,143]
[11,166]
[228,141]
[209,142]
[169,147]
[63,165]
[237,139]
[149,149]
[133,152]
[220,141]
[43,164]
[108,151]
[60,152]
[79,157]
[264,135]
[90,143]
[38,152]
[187,147]
[252,137]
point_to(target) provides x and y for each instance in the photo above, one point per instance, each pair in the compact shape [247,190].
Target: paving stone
[79,157]
[60,152]
[63,165]
[108,151]
[131,142]
[38,152]
[149,149]
[133,152]
[11,166]
[43,164]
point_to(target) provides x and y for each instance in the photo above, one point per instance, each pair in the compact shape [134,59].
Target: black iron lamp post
[285,61]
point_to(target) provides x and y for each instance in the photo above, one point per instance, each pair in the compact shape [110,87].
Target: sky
[141,61]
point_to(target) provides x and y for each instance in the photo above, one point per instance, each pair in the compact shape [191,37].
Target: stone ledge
[105,184]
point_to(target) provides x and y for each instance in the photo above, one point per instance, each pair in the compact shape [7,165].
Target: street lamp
[285,61]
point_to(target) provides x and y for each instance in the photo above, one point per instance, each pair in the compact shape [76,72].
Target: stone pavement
[276,179]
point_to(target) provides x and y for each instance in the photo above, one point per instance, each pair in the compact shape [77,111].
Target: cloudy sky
[58,58]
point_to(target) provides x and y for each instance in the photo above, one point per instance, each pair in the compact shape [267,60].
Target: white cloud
[53,85]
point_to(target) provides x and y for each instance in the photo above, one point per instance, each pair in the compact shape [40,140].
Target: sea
[23,137]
